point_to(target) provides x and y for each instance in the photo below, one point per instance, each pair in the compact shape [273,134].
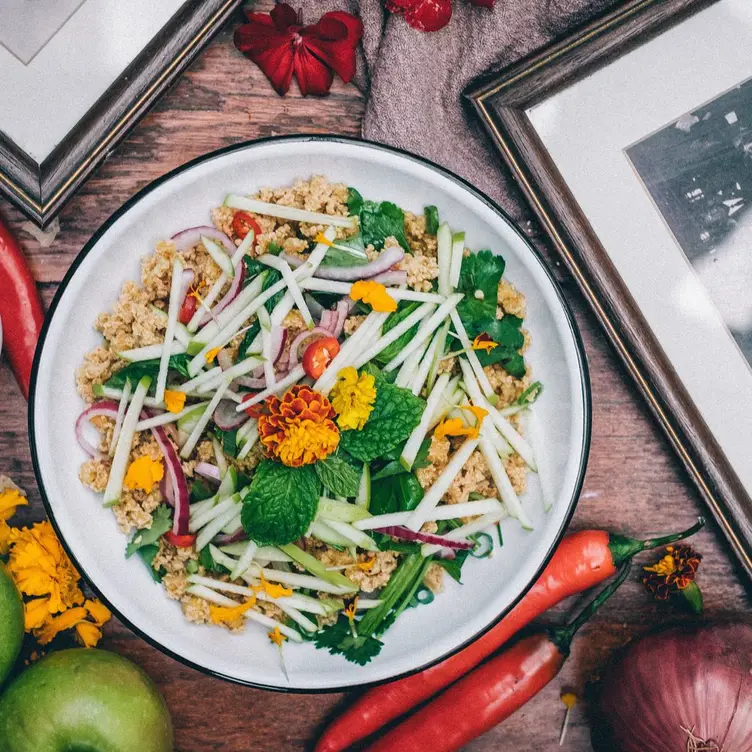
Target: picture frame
[527,109]
[40,185]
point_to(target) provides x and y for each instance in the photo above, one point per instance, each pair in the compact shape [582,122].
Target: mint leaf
[378,221]
[354,201]
[338,477]
[479,281]
[395,414]
[432,219]
[402,312]
[161,522]
[281,503]
[134,371]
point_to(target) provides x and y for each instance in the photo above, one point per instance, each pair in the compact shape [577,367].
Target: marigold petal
[10,499]
[88,634]
[36,611]
[174,400]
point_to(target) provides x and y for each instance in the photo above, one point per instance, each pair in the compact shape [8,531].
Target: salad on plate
[310,412]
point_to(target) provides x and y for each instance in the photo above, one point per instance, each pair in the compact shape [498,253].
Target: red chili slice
[180,541]
[242,222]
[187,309]
[318,355]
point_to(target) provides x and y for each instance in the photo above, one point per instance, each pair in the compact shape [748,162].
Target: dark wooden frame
[501,100]
[40,190]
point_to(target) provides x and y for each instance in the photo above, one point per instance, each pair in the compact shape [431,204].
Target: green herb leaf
[480,275]
[161,522]
[147,554]
[135,371]
[206,560]
[395,414]
[354,201]
[348,252]
[228,440]
[507,334]
[274,248]
[395,467]
[281,503]
[432,219]
[338,640]
[454,566]
[249,336]
[338,476]
[253,268]
[402,312]
[395,493]
[530,394]
[200,491]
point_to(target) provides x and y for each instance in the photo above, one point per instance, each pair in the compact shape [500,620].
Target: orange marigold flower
[298,429]
[374,294]
[674,572]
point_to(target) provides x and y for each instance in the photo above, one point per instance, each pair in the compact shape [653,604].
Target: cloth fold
[414,80]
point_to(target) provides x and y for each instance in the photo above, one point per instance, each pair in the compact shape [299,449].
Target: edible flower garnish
[457,426]
[321,238]
[352,398]
[374,294]
[367,564]
[272,589]
[674,574]
[174,401]
[276,637]
[10,499]
[230,615]
[478,413]
[212,354]
[143,474]
[280,45]
[298,429]
[484,342]
[87,620]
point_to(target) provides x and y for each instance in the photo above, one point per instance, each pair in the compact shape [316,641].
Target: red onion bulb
[685,688]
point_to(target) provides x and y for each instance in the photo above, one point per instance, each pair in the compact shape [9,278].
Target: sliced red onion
[398,531]
[251,382]
[314,306]
[388,258]
[192,236]
[236,537]
[392,277]
[185,283]
[180,495]
[107,408]
[227,417]
[329,321]
[207,470]
[224,359]
[318,332]
[168,493]
[279,337]
[343,311]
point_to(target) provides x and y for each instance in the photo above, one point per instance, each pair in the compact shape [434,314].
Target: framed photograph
[633,143]
[76,75]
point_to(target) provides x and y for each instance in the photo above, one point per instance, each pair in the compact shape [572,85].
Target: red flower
[280,45]
[428,15]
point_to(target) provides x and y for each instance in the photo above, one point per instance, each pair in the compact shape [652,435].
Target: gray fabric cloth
[415,80]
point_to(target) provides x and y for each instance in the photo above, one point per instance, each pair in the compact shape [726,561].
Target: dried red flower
[428,15]
[674,572]
[281,45]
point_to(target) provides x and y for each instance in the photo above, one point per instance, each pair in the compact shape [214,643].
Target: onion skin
[696,677]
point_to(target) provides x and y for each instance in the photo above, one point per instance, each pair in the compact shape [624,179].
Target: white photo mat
[587,128]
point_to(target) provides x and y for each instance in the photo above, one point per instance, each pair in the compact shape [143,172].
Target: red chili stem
[20,308]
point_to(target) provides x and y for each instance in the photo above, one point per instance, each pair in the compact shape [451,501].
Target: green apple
[11,623]
[84,699]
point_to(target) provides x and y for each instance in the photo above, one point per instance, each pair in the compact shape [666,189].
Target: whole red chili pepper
[582,560]
[491,693]
[20,308]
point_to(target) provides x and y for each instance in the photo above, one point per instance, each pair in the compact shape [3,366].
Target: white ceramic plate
[182,199]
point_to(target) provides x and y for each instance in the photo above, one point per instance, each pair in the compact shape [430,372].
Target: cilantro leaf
[338,640]
[161,522]
[480,276]
[206,560]
[338,476]
[147,554]
[354,201]
[134,371]
[395,414]
[402,312]
[507,334]
[395,493]
[432,219]
[281,503]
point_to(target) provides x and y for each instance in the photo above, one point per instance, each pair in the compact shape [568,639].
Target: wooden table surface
[634,484]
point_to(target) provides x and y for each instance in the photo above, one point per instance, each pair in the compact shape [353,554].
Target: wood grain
[634,483]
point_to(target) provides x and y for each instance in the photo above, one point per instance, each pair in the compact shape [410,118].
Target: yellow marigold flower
[87,620]
[484,342]
[212,354]
[276,637]
[40,567]
[174,401]
[298,429]
[374,294]
[36,611]
[143,474]
[230,615]
[4,537]
[455,427]
[352,398]
[10,499]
